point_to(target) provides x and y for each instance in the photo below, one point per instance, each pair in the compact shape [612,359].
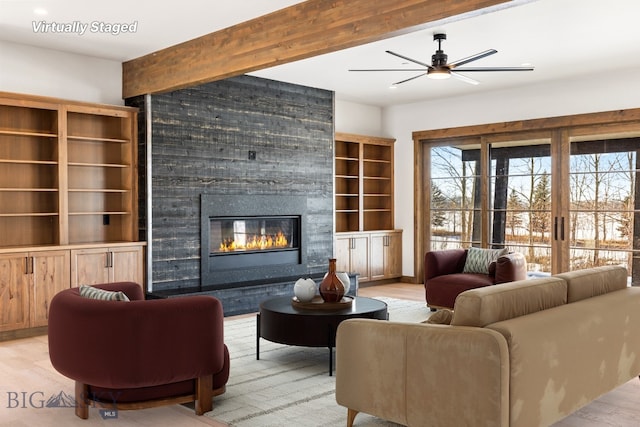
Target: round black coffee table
[278,321]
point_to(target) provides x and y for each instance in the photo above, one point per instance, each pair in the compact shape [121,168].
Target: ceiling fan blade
[464,78]
[475,57]
[409,59]
[390,69]
[474,69]
[410,78]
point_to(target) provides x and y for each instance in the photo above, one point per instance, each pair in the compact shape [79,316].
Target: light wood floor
[27,379]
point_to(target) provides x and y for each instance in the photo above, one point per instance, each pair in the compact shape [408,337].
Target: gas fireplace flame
[255,243]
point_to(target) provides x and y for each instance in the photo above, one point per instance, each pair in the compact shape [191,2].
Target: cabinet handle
[562,228]
[28,265]
[109,259]
[352,243]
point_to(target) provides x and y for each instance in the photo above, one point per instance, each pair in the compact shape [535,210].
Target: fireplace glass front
[236,242]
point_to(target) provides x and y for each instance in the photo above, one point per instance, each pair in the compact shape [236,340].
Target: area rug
[289,386]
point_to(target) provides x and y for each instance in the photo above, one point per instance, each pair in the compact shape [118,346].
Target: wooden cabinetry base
[375,255]
[34,275]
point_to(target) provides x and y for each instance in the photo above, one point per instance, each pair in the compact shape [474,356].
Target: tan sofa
[525,353]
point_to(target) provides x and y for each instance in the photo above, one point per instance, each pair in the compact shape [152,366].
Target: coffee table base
[278,321]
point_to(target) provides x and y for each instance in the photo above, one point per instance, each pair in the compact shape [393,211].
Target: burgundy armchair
[444,279]
[139,354]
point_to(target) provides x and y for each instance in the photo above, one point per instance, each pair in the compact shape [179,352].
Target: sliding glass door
[565,203]
[603,226]
[454,197]
[564,191]
[520,203]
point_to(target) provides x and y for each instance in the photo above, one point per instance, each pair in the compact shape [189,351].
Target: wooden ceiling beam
[307,29]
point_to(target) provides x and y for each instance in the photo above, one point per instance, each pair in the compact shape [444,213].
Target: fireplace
[245,242]
[251,239]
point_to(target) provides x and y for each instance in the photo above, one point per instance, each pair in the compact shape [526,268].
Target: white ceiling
[560,38]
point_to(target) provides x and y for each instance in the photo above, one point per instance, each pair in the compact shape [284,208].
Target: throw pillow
[478,259]
[101,294]
[440,317]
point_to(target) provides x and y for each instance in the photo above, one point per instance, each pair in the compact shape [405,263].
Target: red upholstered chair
[139,354]
[444,279]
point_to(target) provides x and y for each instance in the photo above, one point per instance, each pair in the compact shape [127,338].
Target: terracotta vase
[331,287]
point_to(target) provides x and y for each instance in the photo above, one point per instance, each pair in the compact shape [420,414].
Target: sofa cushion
[567,356]
[478,259]
[483,306]
[591,282]
[101,294]
[440,317]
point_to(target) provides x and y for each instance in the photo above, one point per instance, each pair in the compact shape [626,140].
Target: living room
[39,70]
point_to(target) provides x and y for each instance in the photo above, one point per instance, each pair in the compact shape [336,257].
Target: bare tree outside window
[453,181]
[601,211]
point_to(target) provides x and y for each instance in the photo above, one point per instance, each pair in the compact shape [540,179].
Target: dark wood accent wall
[202,141]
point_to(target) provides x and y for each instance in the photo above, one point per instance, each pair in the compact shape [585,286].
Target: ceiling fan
[440,69]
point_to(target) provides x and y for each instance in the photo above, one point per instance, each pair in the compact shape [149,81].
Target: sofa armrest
[409,373]
[438,263]
[147,343]
[510,267]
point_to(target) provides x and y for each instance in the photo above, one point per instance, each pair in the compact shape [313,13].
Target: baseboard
[23,333]
[402,279]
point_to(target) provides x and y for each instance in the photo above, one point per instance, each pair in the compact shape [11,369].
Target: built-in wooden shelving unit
[68,185]
[366,241]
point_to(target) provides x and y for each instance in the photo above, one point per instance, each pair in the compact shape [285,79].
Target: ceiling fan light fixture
[441,69]
[439,74]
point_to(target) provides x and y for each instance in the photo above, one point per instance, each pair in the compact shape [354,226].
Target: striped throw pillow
[101,294]
[478,259]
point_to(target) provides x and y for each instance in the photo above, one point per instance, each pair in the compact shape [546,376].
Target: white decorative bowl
[346,282]
[305,289]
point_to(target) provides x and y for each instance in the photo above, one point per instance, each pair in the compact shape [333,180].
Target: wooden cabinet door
[352,254]
[14,291]
[359,256]
[50,276]
[343,258]
[107,265]
[378,256]
[386,255]
[393,255]
[127,264]
[90,267]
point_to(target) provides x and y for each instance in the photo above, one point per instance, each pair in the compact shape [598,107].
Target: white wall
[351,117]
[45,72]
[558,98]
